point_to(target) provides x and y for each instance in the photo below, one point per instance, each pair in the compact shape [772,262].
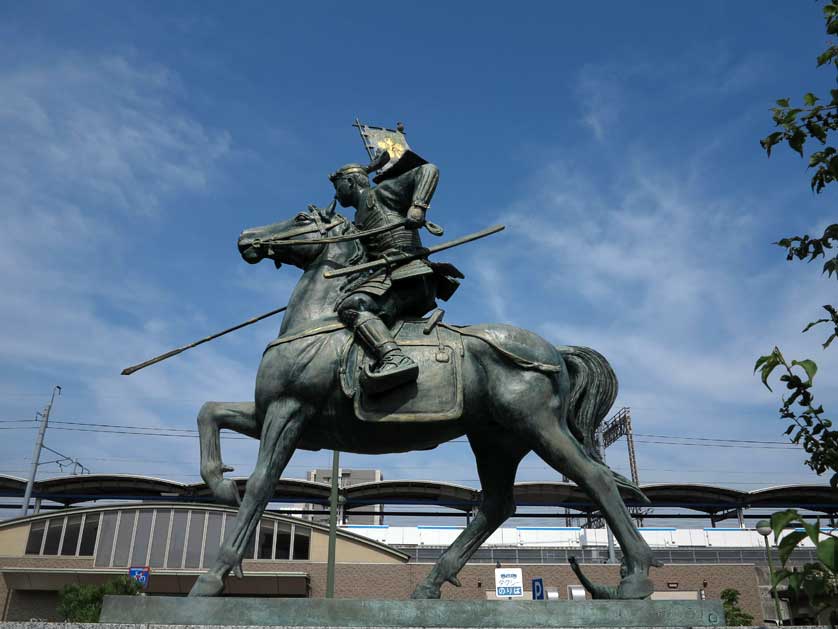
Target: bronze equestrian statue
[506,389]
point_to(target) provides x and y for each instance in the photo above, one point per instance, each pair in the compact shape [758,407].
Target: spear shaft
[129,370]
[400,259]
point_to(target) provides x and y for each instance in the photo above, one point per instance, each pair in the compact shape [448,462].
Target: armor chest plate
[399,239]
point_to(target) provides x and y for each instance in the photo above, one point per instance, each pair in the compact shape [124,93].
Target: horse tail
[593,389]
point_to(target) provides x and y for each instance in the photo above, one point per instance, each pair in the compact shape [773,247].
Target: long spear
[399,259]
[129,370]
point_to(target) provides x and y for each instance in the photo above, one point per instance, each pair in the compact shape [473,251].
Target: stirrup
[379,381]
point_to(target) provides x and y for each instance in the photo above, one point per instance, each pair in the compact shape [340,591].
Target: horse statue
[519,394]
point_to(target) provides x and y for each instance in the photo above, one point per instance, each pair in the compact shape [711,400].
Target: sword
[424,252]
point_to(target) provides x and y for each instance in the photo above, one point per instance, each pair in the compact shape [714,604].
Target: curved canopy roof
[69,490]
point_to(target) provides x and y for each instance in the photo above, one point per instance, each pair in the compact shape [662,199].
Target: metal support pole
[333,525]
[36,453]
[773,585]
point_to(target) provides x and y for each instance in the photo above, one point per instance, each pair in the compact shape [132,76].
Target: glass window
[196,540]
[53,536]
[283,540]
[178,537]
[140,550]
[161,534]
[213,540]
[123,538]
[36,536]
[88,535]
[103,552]
[71,535]
[266,540]
[302,542]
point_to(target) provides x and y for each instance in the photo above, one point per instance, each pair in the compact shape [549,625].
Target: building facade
[40,554]
[346,478]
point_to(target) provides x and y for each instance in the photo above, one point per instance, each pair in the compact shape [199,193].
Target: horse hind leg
[497,463]
[281,431]
[562,452]
[212,418]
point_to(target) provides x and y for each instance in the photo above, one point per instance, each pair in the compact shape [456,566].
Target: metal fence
[518,555]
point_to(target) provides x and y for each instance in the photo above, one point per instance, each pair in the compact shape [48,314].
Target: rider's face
[345,191]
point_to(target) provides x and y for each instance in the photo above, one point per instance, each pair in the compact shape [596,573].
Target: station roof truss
[70,490]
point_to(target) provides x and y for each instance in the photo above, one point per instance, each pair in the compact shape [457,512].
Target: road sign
[509,582]
[140,573]
[538,589]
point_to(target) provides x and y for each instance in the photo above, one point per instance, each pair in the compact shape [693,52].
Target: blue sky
[617,141]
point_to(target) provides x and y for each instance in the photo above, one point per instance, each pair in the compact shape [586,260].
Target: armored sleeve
[426,179]
[415,187]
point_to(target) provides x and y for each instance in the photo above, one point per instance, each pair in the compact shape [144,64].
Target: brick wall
[28,604]
[397,581]
[4,597]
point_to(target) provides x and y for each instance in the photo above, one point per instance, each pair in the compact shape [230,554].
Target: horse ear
[326,213]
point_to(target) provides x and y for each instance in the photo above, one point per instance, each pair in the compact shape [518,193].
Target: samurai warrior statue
[371,303]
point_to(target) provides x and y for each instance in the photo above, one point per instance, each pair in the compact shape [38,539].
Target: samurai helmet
[349,169]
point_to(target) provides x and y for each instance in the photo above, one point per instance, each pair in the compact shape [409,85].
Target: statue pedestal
[307,612]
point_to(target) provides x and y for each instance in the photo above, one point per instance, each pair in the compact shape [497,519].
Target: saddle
[437,394]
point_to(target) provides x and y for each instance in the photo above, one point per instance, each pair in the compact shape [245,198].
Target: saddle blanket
[437,394]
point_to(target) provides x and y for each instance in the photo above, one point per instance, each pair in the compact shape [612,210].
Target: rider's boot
[392,367]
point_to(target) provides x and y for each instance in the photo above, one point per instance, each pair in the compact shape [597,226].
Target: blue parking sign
[140,573]
[538,589]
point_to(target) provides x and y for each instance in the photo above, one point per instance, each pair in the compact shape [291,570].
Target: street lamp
[764,529]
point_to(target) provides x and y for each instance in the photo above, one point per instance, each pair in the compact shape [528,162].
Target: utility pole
[36,454]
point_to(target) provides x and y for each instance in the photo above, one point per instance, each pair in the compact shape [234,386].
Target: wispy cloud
[97,146]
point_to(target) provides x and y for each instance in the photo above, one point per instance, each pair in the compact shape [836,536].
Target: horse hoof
[635,586]
[207,585]
[227,493]
[426,591]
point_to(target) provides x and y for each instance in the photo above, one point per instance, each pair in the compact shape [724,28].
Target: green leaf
[767,364]
[816,131]
[829,340]
[794,581]
[783,102]
[797,140]
[781,520]
[770,140]
[808,366]
[813,530]
[780,576]
[788,544]
[810,99]
[814,323]
[828,553]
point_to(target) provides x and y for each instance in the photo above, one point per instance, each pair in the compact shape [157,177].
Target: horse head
[293,241]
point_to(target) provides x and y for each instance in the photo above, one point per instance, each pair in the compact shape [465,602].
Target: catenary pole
[36,453]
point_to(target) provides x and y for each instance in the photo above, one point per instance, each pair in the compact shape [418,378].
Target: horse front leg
[212,418]
[281,431]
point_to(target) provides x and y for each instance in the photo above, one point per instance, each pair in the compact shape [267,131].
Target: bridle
[288,237]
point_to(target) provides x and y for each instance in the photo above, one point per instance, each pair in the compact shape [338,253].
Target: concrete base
[307,612]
